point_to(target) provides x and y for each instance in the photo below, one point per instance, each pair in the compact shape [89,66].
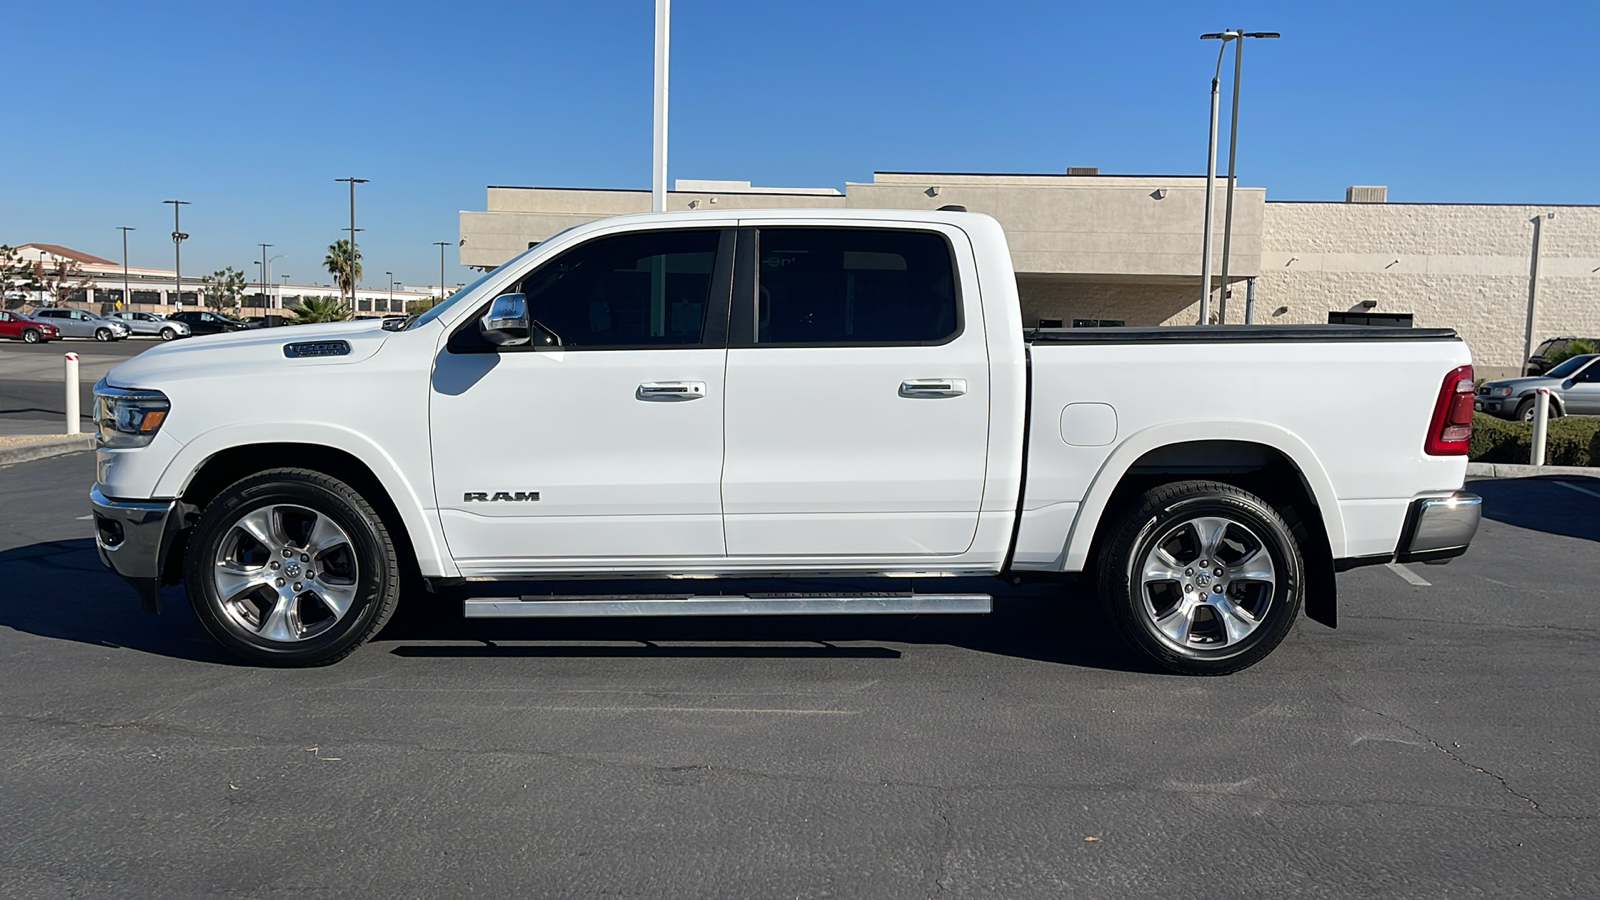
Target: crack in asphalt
[1455,757]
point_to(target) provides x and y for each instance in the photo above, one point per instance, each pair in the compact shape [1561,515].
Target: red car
[29,331]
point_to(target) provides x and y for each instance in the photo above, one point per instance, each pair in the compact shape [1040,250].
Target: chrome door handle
[933,387]
[671,391]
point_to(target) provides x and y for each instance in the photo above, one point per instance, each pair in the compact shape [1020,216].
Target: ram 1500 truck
[783,394]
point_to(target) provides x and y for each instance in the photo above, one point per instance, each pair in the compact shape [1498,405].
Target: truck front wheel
[1202,578]
[290,567]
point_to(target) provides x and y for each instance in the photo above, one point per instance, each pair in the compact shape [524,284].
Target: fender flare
[1555,400]
[421,527]
[1139,443]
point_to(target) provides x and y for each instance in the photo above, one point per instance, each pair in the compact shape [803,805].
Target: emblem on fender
[499,496]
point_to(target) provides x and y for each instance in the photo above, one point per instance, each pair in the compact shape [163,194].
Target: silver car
[1574,391]
[80,323]
[152,324]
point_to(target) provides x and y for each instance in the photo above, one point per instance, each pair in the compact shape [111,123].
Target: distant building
[1093,249]
[155,290]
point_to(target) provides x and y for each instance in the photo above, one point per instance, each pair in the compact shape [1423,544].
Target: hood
[257,349]
[1518,385]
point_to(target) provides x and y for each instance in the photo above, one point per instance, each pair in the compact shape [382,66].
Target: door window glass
[649,289]
[855,286]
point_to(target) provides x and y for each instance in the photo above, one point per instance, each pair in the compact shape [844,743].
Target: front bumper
[133,537]
[1438,529]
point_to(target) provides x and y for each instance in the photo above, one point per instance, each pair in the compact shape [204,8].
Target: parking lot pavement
[1442,742]
[33,377]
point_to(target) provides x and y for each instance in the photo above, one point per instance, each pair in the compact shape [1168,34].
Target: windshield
[1570,366]
[439,308]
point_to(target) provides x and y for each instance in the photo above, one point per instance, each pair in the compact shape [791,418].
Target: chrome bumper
[133,537]
[1438,529]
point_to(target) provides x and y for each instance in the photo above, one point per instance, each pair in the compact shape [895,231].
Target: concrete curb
[1515,470]
[19,453]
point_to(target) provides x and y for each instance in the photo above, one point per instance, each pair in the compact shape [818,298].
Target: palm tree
[320,309]
[338,264]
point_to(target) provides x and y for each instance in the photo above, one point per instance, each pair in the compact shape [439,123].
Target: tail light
[1451,430]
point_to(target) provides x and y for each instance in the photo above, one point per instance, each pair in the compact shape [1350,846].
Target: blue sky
[251,110]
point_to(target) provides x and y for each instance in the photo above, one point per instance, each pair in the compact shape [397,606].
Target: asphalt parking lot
[33,378]
[1442,742]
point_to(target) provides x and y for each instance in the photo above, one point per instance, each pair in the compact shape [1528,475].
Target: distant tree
[1575,347]
[224,288]
[345,271]
[418,307]
[319,309]
[58,281]
[15,276]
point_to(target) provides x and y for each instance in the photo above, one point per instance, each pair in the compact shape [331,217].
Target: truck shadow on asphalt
[1550,505]
[59,590]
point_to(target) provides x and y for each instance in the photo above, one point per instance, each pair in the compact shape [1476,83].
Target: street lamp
[658,149]
[265,277]
[1211,177]
[390,276]
[1233,147]
[127,296]
[178,237]
[441,245]
[353,255]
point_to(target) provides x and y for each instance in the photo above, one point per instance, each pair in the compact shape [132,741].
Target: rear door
[858,393]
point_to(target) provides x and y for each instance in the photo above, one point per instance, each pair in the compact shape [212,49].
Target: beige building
[1092,249]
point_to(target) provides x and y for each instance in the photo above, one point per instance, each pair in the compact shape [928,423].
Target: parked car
[863,399]
[153,325]
[203,322]
[1574,391]
[81,323]
[23,328]
[1539,362]
[265,321]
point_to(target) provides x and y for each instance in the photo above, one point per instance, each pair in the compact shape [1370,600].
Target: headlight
[1500,392]
[128,418]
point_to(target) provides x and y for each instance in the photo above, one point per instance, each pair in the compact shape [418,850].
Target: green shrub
[1570,441]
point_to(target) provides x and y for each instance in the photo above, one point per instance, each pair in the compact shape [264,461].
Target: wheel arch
[1264,459]
[210,463]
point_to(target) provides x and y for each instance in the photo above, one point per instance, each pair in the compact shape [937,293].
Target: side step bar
[580,605]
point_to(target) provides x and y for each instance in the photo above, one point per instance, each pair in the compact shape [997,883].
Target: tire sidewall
[30,336]
[374,569]
[1287,596]
[168,334]
[102,335]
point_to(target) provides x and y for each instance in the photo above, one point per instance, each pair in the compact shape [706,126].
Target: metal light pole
[127,295]
[658,156]
[390,276]
[178,237]
[265,278]
[1211,178]
[1533,289]
[441,245]
[1233,149]
[285,284]
[353,255]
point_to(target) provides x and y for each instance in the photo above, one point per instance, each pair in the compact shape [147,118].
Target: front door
[606,450]
[1582,396]
[858,395]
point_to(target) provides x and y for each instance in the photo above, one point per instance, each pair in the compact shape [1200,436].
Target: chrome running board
[583,605]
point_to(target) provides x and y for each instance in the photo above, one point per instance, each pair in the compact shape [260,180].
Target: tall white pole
[1211,190]
[72,392]
[1533,294]
[658,156]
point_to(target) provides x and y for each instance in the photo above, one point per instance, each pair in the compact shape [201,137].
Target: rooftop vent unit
[1083,170]
[1366,193]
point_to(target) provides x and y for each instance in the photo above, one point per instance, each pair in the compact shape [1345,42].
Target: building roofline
[1443,203]
[754,191]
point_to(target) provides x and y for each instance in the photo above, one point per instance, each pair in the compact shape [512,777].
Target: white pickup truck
[780,394]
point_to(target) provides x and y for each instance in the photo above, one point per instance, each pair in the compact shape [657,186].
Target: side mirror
[506,324]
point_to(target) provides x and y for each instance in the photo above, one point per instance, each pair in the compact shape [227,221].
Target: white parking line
[1581,490]
[1408,575]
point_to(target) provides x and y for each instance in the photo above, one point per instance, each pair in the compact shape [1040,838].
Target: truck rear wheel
[290,567]
[1202,578]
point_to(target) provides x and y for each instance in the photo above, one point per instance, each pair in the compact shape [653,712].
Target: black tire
[1525,410]
[377,578]
[1123,591]
[102,334]
[168,334]
[30,335]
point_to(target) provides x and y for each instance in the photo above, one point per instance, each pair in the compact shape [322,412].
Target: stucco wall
[1133,304]
[1451,265]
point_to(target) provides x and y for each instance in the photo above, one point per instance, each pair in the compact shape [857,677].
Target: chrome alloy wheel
[285,573]
[1207,583]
